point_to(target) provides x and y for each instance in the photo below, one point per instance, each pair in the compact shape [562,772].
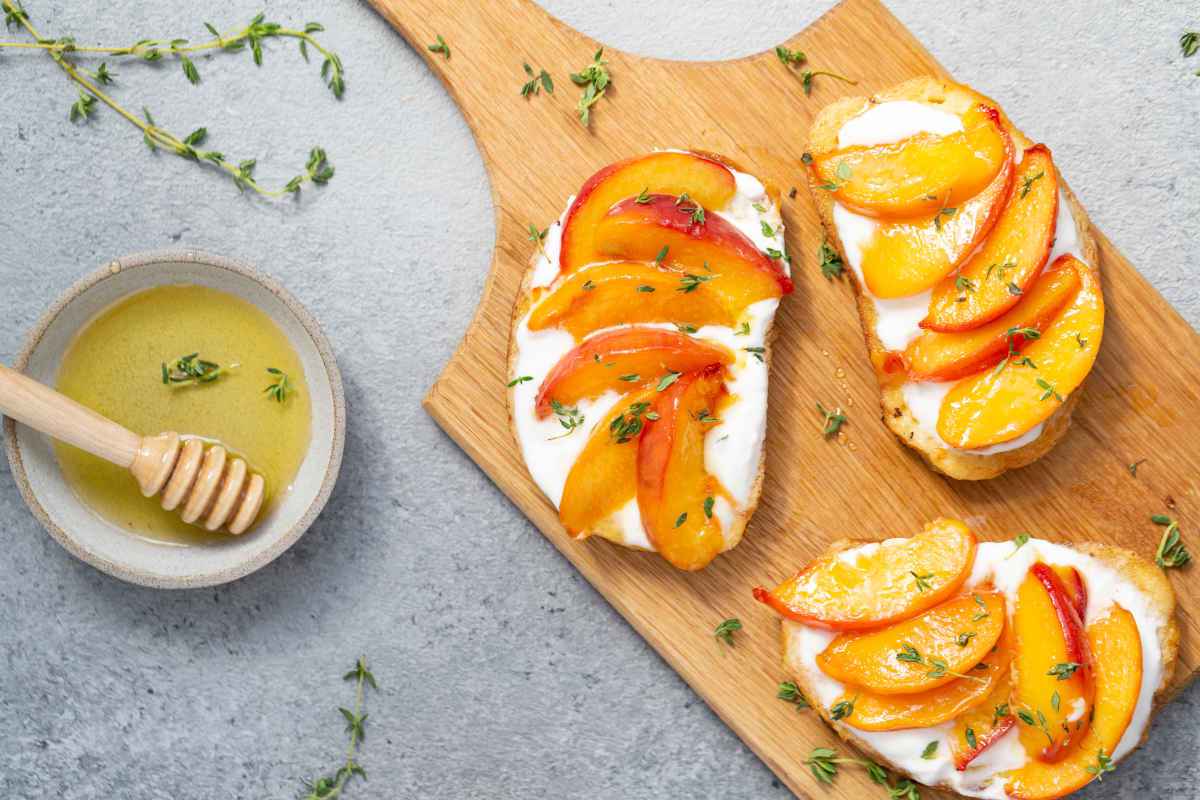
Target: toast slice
[534,288]
[956,463]
[1142,574]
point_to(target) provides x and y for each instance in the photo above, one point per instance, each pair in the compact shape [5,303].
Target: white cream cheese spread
[898,320]
[732,447]
[1003,567]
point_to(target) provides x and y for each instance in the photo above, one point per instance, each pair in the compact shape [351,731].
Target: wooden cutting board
[1141,402]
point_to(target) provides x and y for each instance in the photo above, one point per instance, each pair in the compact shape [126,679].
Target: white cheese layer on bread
[733,447]
[1003,565]
[897,320]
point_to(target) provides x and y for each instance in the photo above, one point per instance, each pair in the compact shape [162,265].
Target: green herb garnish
[536,82]
[64,51]
[724,632]
[281,388]
[1171,550]
[595,80]
[440,46]
[329,787]
[832,421]
[191,370]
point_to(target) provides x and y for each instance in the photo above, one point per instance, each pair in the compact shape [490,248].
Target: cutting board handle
[489,43]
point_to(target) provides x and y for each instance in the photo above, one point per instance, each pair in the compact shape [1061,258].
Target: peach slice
[889,712]
[1053,689]
[604,477]
[994,279]
[623,360]
[675,493]
[906,258]
[659,228]
[919,175]
[623,292]
[706,181]
[950,356]
[1117,650]
[985,724]
[879,585]
[1003,403]
[1072,581]
[930,650]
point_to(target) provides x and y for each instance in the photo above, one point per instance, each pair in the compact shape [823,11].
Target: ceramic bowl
[105,546]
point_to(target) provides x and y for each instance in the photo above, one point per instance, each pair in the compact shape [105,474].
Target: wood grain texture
[1141,401]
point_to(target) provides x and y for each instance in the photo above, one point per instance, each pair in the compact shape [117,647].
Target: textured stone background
[503,675]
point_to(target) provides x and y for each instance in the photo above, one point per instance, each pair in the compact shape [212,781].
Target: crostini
[977,276]
[639,354]
[1020,669]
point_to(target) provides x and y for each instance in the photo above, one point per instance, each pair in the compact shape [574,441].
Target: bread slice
[1144,575]
[956,98]
[608,529]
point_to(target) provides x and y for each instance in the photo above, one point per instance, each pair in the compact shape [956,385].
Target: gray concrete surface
[503,674]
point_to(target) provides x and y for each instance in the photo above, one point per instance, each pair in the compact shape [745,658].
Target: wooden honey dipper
[213,489]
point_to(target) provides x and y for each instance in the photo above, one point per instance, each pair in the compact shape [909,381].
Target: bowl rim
[332,468]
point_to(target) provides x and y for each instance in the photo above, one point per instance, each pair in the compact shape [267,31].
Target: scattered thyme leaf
[331,786]
[595,80]
[831,262]
[724,632]
[281,388]
[440,46]
[832,421]
[1172,552]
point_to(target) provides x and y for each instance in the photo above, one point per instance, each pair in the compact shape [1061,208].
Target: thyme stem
[318,170]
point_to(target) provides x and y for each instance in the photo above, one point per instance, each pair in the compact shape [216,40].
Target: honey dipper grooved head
[213,489]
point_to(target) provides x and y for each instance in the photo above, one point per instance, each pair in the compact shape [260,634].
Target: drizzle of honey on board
[114,366]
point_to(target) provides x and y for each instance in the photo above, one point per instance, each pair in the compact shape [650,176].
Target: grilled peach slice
[1072,581]
[675,493]
[604,477]
[1053,690]
[930,650]
[659,228]
[996,277]
[919,175]
[906,258]
[706,181]
[1116,649]
[1001,404]
[950,356]
[623,292]
[878,586]
[984,725]
[956,699]
[623,360]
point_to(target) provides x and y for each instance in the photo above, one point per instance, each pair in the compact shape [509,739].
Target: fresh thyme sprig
[796,58]
[537,81]
[281,388]
[937,667]
[824,761]
[1189,44]
[595,80]
[789,692]
[330,787]
[440,46]
[1171,550]
[725,631]
[832,421]
[192,370]
[568,416]
[1103,764]
[831,263]
[63,50]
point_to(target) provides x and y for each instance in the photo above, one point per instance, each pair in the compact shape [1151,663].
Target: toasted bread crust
[605,530]
[897,416]
[1140,572]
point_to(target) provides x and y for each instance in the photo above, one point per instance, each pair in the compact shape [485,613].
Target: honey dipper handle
[57,415]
